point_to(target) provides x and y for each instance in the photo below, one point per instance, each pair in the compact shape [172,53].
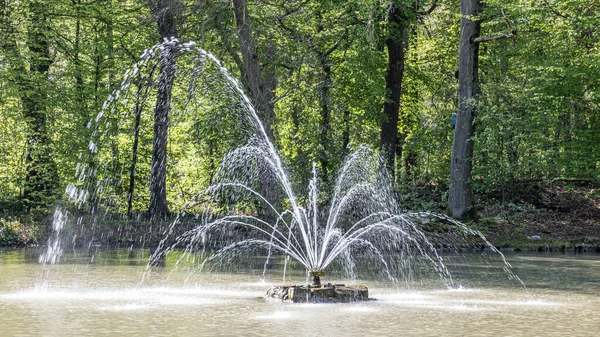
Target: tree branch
[555,11]
[337,43]
[431,8]
[492,37]
[217,20]
[512,34]
[512,30]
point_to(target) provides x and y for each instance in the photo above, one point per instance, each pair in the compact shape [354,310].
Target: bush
[9,232]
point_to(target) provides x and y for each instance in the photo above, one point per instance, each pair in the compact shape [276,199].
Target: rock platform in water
[327,293]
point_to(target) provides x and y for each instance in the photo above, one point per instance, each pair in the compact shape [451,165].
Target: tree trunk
[140,102]
[410,163]
[41,179]
[300,160]
[109,64]
[136,133]
[79,85]
[158,180]
[460,197]
[325,151]
[260,91]
[261,87]
[395,42]
[217,21]
[346,131]
[324,87]
[165,13]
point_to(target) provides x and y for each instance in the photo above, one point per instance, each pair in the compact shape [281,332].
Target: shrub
[9,232]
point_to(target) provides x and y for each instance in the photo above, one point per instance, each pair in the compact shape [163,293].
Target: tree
[325,63]
[261,89]
[396,44]
[460,198]
[30,68]
[400,17]
[166,15]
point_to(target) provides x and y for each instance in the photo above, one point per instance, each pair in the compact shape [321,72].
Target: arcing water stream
[362,223]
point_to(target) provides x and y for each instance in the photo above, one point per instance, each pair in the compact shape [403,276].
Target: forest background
[326,77]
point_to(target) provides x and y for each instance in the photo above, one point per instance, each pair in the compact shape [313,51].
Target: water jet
[251,206]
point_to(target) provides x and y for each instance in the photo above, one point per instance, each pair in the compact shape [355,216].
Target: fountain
[251,206]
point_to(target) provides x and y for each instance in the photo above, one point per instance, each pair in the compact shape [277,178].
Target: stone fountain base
[326,293]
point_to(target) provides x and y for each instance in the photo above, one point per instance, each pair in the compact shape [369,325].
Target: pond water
[102,294]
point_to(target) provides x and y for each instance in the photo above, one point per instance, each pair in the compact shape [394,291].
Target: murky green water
[101,295]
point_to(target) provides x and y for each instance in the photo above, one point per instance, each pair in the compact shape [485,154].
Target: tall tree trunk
[140,102]
[324,88]
[96,106]
[346,131]
[109,65]
[395,42]
[79,85]
[41,179]
[260,91]
[260,85]
[325,152]
[165,14]
[136,134]
[300,160]
[158,180]
[460,197]
[217,21]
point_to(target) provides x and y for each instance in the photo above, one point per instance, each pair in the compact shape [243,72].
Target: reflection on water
[99,294]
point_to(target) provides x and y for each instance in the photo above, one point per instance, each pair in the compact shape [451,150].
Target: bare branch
[512,34]
[512,30]
[492,37]
[431,9]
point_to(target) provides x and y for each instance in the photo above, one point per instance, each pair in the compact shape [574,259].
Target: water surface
[101,295]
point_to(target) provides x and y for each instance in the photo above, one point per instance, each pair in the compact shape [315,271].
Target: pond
[102,294]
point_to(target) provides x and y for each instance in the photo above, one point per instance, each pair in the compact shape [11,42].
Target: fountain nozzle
[316,275]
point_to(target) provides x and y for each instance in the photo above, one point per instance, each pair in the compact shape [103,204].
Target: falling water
[251,206]
[54,250]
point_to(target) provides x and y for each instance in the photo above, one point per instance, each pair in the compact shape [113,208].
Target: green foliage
[9,232]
[539,112]
[538,116]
